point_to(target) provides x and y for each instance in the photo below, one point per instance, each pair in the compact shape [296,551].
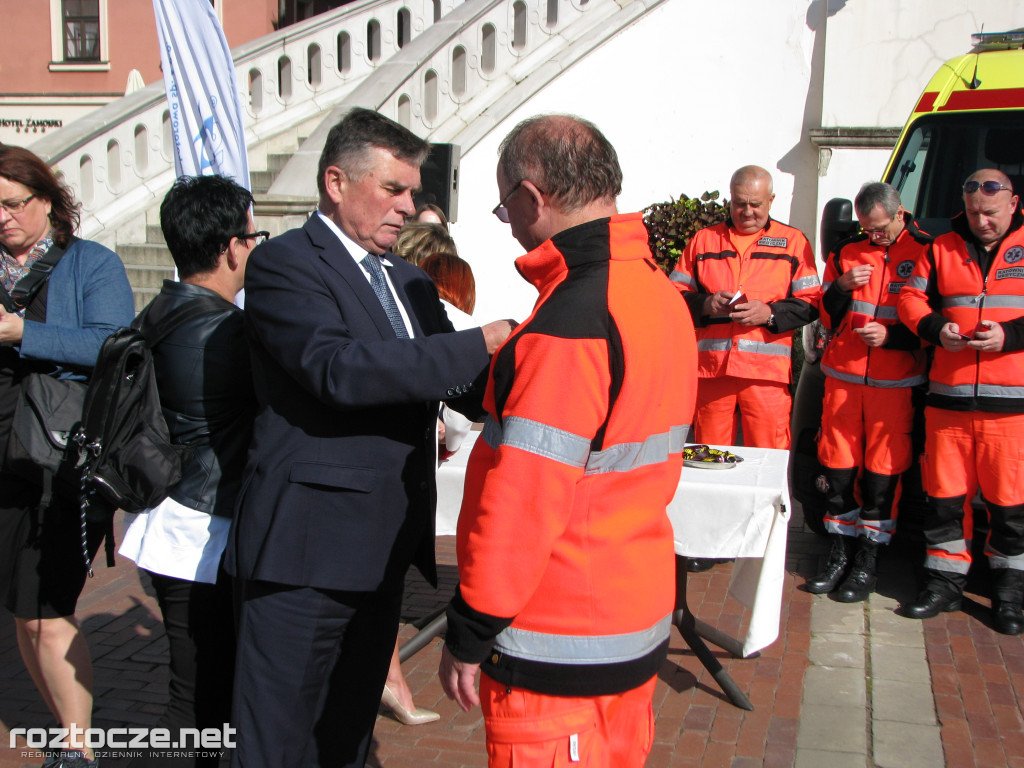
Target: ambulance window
[942,150]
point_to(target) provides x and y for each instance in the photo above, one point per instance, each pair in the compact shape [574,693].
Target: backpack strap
[25,290]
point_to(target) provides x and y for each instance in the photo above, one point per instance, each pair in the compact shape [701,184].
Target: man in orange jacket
[566,562]
[871,365]
[966,296]
[749,283]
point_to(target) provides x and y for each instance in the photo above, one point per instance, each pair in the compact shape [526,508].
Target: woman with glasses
[57,332]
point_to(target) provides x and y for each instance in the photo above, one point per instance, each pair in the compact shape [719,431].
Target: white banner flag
[202,93]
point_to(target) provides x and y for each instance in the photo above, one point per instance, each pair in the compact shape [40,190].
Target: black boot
[835,568]
[1007,615]
[931,602]
[860,582]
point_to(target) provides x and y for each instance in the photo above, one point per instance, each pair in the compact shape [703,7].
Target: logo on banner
[209,145]
[1014,255]
[905,269]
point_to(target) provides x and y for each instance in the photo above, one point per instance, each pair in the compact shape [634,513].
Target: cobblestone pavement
[843,686]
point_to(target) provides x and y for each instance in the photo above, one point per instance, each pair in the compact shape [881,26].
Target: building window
[81,20]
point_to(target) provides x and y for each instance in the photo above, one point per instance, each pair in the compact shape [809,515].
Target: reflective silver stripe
[993,390]
[916,281]
[803,283]
[933,563]
[682,277]
[853,378]
[627,456]
[887,313]
[1004,302]
[959,301]
[964,390]
[544,440]
[763,347]
[997,559]
[713,345]
[954,547]
[863,307]
[577,649]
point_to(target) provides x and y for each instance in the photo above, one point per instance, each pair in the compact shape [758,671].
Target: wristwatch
[772,325]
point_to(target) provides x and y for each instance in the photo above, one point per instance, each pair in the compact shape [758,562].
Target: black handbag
[48,412]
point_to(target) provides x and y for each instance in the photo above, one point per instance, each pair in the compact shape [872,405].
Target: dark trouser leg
[1005,550]
[874,529]
[302,698]
[948,555]
[201,635]
[839,522]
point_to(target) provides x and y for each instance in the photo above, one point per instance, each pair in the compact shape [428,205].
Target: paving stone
[833,729]
[905,745]
[831,649]
[898,662]
[901,702]
[835,618]
[829,685]
[819,758]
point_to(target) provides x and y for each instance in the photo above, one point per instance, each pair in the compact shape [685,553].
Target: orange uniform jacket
[778,269]
[900,362]
[566,562]
[957,282]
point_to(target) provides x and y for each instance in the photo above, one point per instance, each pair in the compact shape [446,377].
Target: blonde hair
[417,240]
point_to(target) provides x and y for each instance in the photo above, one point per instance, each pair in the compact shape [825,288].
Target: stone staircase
[149,263]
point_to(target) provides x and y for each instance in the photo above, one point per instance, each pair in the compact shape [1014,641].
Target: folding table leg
[686,623]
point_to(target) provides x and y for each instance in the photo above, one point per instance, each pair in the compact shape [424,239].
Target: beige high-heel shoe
[404,716]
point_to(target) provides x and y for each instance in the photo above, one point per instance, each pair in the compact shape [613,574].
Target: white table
[737,513]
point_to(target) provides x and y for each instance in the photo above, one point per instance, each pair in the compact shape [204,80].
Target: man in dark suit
[350,361]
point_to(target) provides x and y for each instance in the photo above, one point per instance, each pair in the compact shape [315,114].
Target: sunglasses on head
[986,187]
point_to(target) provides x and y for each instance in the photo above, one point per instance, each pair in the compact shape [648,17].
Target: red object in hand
[858,320]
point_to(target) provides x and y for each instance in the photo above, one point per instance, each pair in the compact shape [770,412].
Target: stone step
[148,276]
[261,180]
[154,235]
[143,296]
[145,255]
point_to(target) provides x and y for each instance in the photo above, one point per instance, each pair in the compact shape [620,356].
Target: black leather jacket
[205,383]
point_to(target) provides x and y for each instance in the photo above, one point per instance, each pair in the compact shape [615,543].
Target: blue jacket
[88,298]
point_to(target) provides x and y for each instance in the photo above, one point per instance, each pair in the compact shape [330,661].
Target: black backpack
[123,442]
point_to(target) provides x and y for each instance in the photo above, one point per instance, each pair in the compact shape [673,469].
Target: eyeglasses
[259,237]
[15,206]
[987,187]
[501,211]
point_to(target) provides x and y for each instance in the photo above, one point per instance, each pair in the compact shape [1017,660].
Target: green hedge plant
[671,225]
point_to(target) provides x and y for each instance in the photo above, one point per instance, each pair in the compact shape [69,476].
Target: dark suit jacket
[339,489]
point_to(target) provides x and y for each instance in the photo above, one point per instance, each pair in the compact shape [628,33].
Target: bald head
[750,199]
[989,215]
[566,156]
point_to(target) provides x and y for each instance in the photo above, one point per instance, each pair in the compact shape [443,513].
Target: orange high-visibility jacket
[956,281]
[777,269]
[566,557]
[900,362]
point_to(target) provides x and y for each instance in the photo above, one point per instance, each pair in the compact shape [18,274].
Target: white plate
[709,464]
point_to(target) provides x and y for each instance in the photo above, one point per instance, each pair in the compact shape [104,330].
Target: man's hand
[717,304]
[990,340]
[495,333]
[873,334]
[752,312]
[11,326]
[951,339]
[856,277]
[458,679]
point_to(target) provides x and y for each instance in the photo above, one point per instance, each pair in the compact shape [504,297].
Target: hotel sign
[30,124]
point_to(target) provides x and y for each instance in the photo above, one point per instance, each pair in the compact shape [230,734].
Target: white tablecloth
[737,513]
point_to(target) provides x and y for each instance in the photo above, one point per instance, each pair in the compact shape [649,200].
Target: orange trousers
[533,730]
[764,408]
[867,427]
[965,451]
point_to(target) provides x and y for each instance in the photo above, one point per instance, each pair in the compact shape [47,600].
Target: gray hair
[877,193]
[565,156]
[349,143]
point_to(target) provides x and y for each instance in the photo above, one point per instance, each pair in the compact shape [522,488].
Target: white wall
[693,91]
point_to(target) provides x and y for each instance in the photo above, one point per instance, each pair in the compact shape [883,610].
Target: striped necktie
[380,286]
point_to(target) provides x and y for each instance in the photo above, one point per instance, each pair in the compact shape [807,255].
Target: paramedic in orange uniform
[566,562]
[871,365]
[749,283]
[966,296]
